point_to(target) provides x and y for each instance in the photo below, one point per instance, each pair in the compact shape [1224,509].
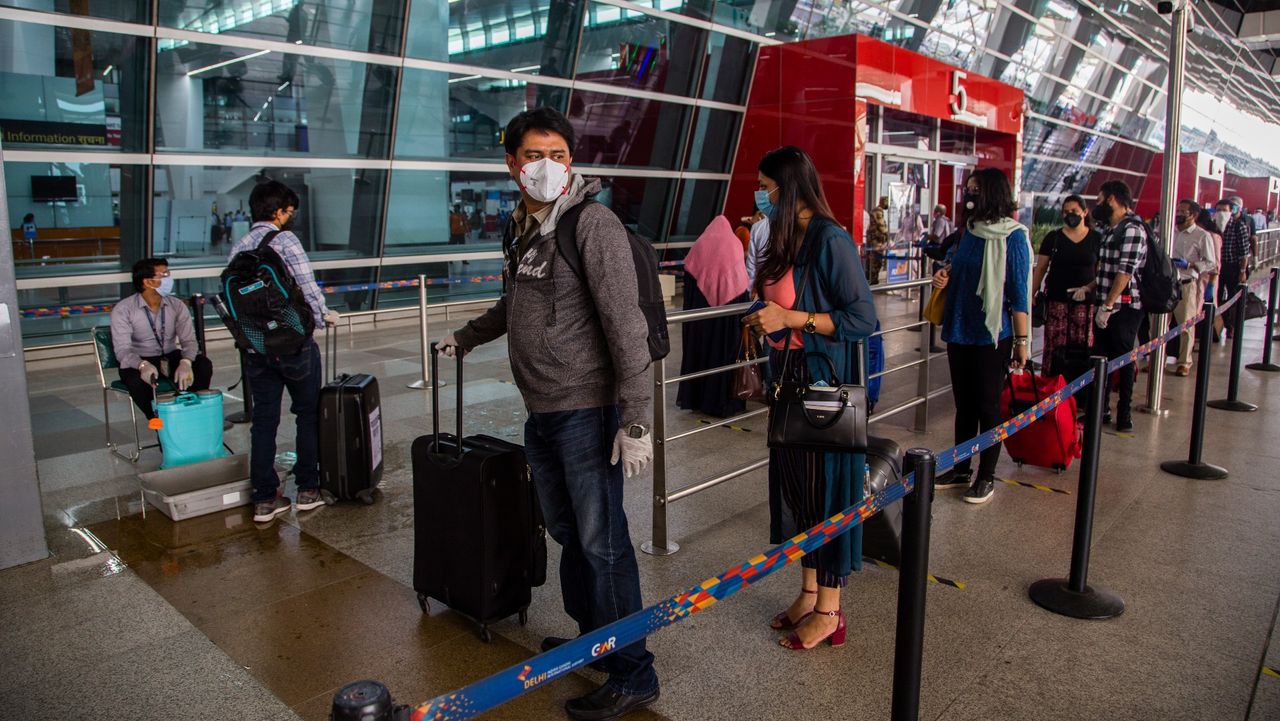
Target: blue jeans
[581,498]
[268,377]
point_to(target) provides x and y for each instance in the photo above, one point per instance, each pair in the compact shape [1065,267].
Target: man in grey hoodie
[579,353]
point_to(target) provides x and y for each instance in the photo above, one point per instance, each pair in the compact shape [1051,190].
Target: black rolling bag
[350,431]
[479,538]
[882,533]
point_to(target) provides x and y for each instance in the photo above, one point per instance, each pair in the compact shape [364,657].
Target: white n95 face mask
[544,180]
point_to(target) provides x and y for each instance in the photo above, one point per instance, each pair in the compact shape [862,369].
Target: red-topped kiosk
[1200,177]
[819,95]
[1261,192]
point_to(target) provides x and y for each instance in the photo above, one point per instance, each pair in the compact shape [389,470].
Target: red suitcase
[1054,440]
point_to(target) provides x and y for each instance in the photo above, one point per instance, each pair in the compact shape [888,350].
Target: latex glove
[149,372]
[331,318]
[1102,317]
[1078,294]
[1181,263]
[635,453]
[941,278]
[448,345]
[183,375]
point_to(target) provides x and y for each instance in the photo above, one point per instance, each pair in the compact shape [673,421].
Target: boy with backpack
[270,263]
[582,329]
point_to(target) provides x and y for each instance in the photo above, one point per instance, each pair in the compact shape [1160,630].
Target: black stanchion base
[239,417]
[226,424]
[1196,471]
[1268,367]
[1226,404]
[1094,604]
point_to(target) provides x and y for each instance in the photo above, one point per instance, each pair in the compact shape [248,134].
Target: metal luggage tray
[199,488]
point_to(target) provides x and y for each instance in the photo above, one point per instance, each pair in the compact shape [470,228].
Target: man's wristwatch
[811,325]
[636,430]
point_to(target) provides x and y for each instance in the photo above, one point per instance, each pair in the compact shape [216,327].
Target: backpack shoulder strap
[567,238]
[266,239]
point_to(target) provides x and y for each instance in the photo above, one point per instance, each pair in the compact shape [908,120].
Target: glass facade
[386,116]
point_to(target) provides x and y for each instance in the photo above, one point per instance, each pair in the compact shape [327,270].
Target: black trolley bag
[350,431]
[882,533]
[479,541]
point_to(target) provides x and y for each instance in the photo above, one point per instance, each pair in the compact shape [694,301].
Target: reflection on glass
[630,49]
[621,130]
[907,130]
[534,36]
[642,204]
[956,138]
[437,212]
[712,143]
[71,89]
[365,25]
[447,282]
[463,116]
[132,11]
[728,67]
[87,217]
[698,202]
[260,102]
[200,212]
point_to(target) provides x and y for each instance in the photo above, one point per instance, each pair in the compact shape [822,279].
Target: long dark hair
[995,197]
[1205,220]
[798,182]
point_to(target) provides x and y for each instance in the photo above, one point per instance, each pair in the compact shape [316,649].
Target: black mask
[1181,219]
[1073,220]
[1102,213]
[970,201]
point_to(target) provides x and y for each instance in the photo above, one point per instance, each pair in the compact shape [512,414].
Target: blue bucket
[192,431]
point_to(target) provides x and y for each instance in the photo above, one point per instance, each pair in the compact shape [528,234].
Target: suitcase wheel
[484,634]
[424,603]
[366,496]
[524,616]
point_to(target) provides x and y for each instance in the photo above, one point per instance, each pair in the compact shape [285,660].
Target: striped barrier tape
[517,680]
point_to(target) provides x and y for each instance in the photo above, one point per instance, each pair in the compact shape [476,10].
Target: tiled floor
[217,618]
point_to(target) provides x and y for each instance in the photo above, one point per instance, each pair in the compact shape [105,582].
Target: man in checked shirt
[1120,260]
[273,206]
[1235,256]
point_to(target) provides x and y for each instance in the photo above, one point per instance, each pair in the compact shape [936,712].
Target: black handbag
[828,419]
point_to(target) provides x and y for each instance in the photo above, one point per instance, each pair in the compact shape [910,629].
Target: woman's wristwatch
[811,325]
[1021,340]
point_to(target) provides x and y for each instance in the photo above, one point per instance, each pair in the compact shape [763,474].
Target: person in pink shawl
[715,275]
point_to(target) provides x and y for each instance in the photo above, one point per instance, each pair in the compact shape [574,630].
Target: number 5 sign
[960,98]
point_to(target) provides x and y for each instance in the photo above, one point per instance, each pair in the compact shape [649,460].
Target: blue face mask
[763,204]
[166,286]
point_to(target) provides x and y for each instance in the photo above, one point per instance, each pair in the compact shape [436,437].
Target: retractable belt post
[1194,467]
[366,701]
[245,415]
[1074,596]
[1232,402]
[1272,291]
[424,337]
[908,649]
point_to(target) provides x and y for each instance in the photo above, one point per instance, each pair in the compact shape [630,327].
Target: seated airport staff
[153,337]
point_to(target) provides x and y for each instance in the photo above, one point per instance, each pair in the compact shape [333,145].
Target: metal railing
[660,544]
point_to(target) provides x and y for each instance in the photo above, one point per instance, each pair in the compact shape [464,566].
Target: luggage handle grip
[435,400]
[331,352]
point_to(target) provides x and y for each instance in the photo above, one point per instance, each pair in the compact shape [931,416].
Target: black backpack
[1157,278]
[262,304]
[652,304]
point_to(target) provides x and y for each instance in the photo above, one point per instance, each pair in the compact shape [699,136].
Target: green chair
[107,360]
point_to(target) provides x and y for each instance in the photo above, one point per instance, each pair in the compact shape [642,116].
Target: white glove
[1102,317]
[635,453]
[331,318]
[149,372]
[448,345]
[1078,294]
[184,376]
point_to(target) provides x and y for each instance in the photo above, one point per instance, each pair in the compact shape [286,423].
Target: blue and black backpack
[262,304]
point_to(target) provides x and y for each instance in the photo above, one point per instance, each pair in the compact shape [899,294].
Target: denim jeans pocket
[297,367]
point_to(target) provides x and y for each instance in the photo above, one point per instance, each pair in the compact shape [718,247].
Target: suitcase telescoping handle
[331,352]
[435,401]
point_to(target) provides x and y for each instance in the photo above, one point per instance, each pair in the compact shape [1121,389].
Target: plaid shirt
[1235,244]
[295,259]
[1125,254]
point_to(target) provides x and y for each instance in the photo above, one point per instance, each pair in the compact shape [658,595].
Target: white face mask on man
[1222,217]
[544,180]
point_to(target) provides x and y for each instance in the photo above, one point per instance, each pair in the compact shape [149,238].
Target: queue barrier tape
[533,673]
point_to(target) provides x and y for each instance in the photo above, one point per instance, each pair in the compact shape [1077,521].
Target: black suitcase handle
[435,401]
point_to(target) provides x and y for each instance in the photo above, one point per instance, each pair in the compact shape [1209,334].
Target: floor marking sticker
[1036,486]
[932,578]
[739,429]
[1268,671]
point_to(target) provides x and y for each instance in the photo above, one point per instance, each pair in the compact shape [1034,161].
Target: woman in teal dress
[815,287]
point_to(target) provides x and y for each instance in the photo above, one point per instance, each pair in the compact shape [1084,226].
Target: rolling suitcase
[1053,440]
[882,533]
[479,539]
[350,431]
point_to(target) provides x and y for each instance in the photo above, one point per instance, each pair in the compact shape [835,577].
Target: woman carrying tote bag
[815,287]
[987,321]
